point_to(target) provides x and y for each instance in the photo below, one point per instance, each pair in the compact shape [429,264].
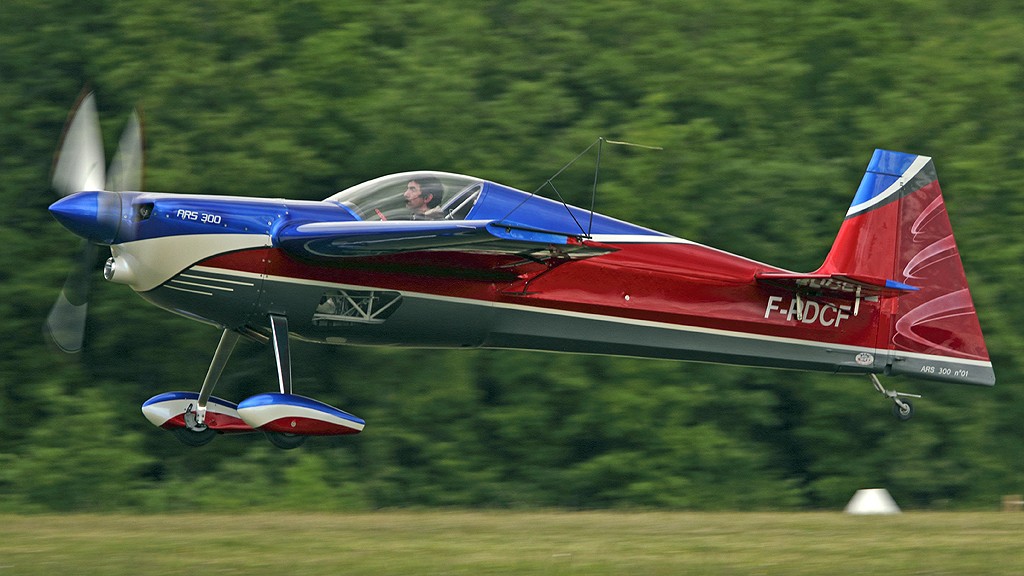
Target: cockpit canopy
[384,198]
[467,198]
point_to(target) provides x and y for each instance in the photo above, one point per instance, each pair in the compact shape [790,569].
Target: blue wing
[329,240]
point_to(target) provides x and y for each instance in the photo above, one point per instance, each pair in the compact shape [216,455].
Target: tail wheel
[904,412]
[285,441]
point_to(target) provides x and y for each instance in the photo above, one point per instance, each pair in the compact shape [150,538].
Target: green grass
[493,542]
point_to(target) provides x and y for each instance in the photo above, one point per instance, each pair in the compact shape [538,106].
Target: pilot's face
[414,199]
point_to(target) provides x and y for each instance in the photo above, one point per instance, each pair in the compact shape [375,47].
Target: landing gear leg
[288,419]
[228,339]
[279,327]
[196,432]
[901,408]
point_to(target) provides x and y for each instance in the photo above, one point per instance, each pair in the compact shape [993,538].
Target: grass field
[492,542]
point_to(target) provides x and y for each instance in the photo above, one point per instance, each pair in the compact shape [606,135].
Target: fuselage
[637,301]
[220,260]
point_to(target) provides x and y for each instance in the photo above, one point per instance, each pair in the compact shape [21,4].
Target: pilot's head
[423,194]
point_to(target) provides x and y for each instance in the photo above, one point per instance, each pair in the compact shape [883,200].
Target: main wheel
[191,437]
[285,441]
[903,413]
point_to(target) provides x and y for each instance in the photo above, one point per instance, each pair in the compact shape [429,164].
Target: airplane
[491,266]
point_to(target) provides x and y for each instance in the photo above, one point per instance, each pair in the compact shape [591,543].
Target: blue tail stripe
[884,169]
[891,163]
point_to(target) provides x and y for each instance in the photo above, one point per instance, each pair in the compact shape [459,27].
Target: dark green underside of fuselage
[418,320]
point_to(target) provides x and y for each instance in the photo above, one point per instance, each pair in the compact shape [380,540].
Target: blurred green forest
[768,112]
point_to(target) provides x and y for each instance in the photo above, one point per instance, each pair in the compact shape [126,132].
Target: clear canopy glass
[394,197]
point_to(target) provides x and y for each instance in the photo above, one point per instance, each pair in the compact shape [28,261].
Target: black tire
[903,414]
[194,438]
[285,441]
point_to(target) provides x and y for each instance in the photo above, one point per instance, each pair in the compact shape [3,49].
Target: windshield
[412,196]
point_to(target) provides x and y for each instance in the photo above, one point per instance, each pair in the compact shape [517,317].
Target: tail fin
[897,228]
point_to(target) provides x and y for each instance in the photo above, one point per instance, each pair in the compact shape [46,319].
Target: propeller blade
[80,162]
[91,207]
[126,168]
[65,325]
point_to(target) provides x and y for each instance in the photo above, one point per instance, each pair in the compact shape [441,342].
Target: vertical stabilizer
[897,228]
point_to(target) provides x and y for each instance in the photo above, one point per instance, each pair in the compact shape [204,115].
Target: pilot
[423,198]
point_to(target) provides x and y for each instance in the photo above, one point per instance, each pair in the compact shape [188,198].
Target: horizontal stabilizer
[347,239]
[835,285]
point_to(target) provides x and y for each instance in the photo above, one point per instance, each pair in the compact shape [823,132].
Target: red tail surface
[897,229]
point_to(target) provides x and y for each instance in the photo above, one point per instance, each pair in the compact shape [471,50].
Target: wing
[330,240]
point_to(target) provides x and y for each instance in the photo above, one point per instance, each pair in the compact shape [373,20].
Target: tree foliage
[767,112]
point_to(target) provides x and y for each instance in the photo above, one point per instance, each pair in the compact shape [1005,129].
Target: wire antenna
[597,170]
[599,142]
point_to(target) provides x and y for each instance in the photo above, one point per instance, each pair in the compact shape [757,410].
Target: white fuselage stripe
[179,289]
[207,286]
[221,280]
[639,239]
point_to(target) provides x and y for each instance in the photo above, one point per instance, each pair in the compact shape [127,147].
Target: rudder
[897,228]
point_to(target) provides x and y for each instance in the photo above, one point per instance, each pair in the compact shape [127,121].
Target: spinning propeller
[90,206]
